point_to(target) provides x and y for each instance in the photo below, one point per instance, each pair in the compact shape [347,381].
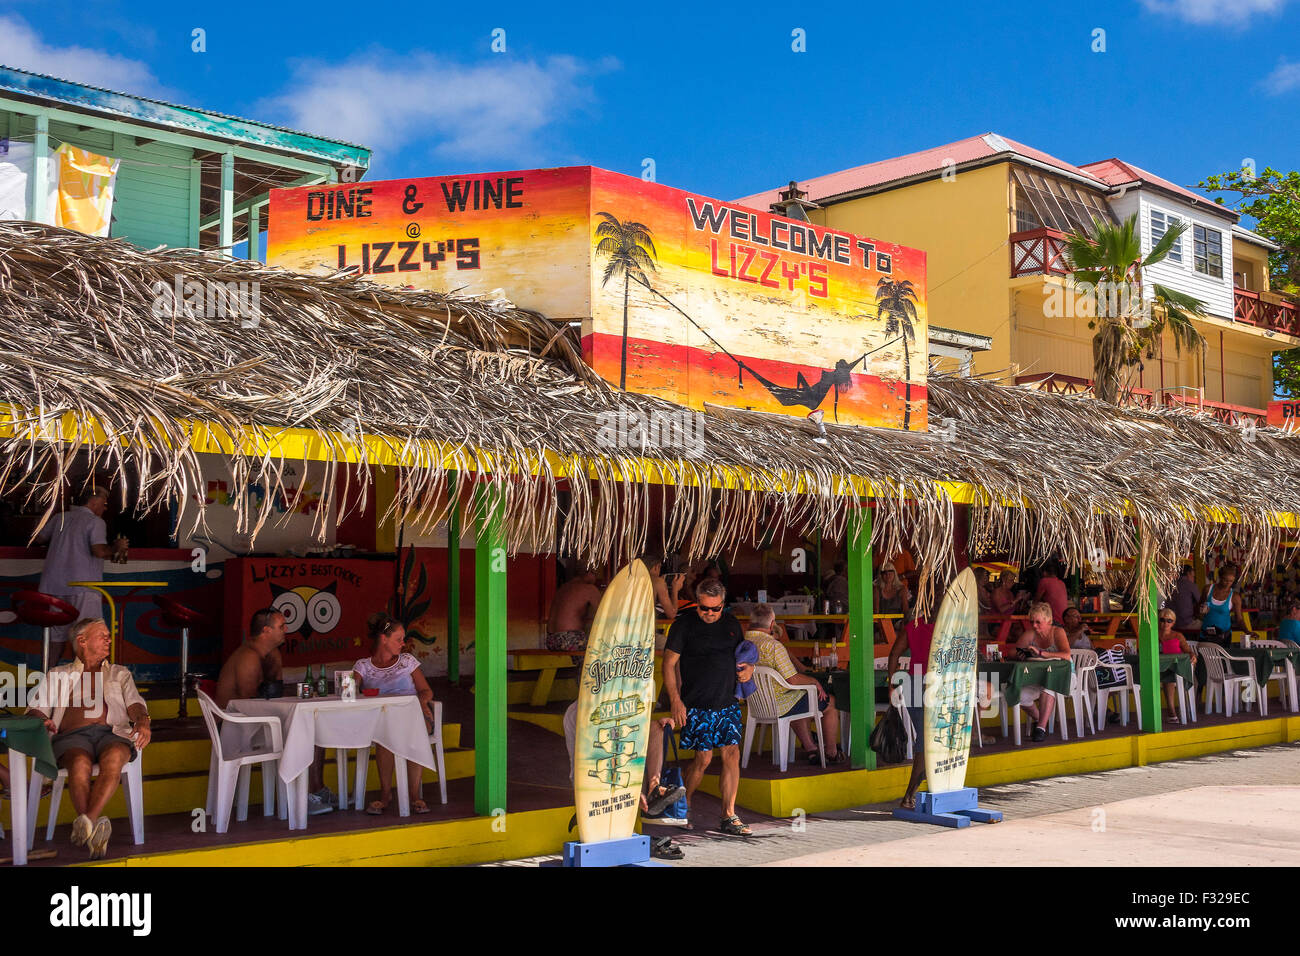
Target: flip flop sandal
[375,808]
[663,848]
[419,806]
[662,798]
[733,826]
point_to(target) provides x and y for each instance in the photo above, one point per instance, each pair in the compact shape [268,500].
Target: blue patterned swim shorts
[710,729]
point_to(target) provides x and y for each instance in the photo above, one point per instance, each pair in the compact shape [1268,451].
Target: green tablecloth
[1014,675]
[837,685]
[1171,666]
[1266,658]
[27,735]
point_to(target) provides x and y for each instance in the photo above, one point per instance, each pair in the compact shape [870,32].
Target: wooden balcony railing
[1037,252]
[1061,384]
[1250,308]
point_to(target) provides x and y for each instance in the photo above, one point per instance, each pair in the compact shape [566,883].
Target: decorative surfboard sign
[949,709]
[950,686]
[615,698]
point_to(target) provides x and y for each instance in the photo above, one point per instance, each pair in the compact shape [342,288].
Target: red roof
[915,164]
[1116,172]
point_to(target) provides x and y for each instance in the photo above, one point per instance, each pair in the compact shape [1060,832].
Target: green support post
[862,650]
[1149,658]
[453,580]
[255,233]
[489,654]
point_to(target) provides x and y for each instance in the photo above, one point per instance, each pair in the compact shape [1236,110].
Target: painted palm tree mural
[631,251]
[629,247]
[896,304]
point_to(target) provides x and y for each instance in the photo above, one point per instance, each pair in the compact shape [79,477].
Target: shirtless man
[254,661]
[572,611]
[103,720]
[1042,639]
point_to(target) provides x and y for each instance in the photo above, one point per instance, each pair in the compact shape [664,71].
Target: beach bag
[889,738]
[1105,676]
[671,777]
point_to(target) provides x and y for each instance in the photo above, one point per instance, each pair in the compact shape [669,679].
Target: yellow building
[992,215]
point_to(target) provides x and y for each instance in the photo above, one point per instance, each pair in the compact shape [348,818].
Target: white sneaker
[82,828]
[327,796]
[316,806]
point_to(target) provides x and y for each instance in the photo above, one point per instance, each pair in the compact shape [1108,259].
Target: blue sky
[714,95]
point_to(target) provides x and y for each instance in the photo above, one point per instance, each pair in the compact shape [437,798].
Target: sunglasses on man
[709,608]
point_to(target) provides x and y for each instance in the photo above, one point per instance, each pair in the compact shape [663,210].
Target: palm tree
[896,304]
[631,251]
[1109,260]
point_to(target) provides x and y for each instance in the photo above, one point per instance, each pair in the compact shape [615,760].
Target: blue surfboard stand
[631,851]
[952,808]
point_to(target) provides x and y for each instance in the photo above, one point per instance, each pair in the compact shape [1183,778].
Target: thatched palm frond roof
[89,329]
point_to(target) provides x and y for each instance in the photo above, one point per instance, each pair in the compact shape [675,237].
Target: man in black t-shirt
[702,641]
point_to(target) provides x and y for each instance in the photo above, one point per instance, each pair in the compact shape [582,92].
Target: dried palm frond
[448,383]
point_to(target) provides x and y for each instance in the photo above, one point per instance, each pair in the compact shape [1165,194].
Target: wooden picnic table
[546,663]
[886,623]
[1112,620]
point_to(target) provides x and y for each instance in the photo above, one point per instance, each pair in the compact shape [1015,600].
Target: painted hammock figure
[809,396]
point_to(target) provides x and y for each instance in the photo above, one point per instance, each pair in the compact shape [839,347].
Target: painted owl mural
[308,609]
[324,602]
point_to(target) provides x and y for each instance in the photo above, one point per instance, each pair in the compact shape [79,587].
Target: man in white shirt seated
[100,720]
[771,653]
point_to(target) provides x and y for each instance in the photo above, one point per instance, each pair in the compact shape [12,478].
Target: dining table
[1171,667]
[24,737]
[394,721]
[1050,673]
[1267,659]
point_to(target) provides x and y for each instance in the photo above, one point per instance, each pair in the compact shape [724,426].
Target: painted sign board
[325,603]
[681,296]
[1285,415]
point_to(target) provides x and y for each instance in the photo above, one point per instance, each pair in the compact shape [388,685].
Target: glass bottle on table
[309,683]
[322,683]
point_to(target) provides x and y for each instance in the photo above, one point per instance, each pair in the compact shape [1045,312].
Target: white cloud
[495,109]
[1208,12]
[1284,79]
[21,47]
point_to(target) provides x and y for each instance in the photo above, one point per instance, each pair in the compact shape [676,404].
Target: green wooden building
[188,177]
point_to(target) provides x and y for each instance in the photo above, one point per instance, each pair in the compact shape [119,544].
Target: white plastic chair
[132,789]
[231,765]
[1222,684]
[363,765]
[761,710]
[1279,673]
[1129,686]
[1051,724]
[1082,683]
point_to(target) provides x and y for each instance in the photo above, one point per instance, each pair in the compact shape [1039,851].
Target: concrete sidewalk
[1234,808]
[1203,826]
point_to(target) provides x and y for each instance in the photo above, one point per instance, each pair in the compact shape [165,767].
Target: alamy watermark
[206,299]
[27,688]
[629,430]
[1093,300]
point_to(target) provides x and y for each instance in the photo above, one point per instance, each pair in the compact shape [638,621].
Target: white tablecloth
[396,722]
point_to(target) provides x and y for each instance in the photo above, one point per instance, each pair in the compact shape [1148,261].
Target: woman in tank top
[1222,609]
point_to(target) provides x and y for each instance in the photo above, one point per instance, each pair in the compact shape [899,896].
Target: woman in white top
[390,671]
